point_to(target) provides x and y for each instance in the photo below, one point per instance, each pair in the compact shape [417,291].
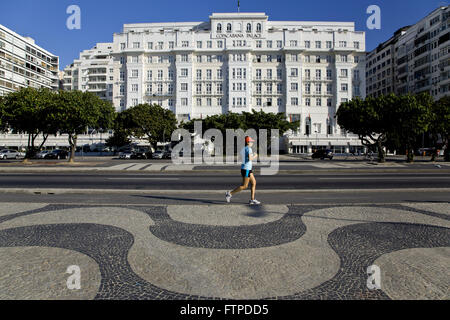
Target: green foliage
[440,123]
[151,122]
[2,115]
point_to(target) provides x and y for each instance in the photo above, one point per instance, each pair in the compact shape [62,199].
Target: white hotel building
[237,62]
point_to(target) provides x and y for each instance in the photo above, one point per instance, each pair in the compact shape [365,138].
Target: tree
[151,122]
[79,110]
[367,119]
[412,116]
[30,111]
[440,124]
[122,132]
[2,115]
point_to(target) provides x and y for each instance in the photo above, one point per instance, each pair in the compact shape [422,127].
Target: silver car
[42,154]
[10,154]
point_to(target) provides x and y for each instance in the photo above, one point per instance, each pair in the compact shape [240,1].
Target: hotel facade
[237,62]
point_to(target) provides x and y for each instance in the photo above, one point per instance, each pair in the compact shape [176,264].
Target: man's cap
[249,139]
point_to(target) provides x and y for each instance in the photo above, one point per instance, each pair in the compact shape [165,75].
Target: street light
[317,140]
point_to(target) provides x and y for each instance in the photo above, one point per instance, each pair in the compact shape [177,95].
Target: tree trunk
[43,142]
[447,152]
[381,155]
[410,154]
[73,145]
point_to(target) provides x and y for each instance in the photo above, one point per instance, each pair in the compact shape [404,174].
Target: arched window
[249,28]
[229,27]
[219,28]
[258,27]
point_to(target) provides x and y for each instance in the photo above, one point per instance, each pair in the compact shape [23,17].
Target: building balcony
[159,94]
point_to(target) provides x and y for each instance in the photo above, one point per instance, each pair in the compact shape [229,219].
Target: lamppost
[317,140]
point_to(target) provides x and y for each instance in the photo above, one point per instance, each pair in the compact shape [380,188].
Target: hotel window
[344,58]
[318,74]
[149,59]
[307,102]
[307,74]
[219,44]
[294,101]
[160,74]
[258,74]
[279,74]
[122,89]
[318,88]
[219,101]
[199,74]
[160,59]
[317,59]
[209,102]
[343,44]
[134,88]
[184,102]
[259,102]
[209,58]
[170,88]
[318,103]
[279,58]
[329,45]
[134,102]
[356,45]
[184,58]
[122,46]
[293,43]
[269,102]
[160,45]
[199,59]
[199,88]
[356,74]
[219,88]
[307,44]
[258,43]
[135,73]
[307,88]
[209,44]
[170,102]
[219,58]
[269,44]
[185,44]
[279,88]
[294,86]
[258,87]
[318,44]
[280,102]
[308,125]
[199,102]
[122,60]
[208,88]
[249,27]
[329,88]
[199,44]
[136,45]
[209,74]
[150,45]
[135,59]
[329,74]
[279,44]
[269,74]
[171,44]
[122,75]
[219,73]
[184,87]
[344,73]
[171,75]
[219,28]
[160,88]
[184,72]
[294,57]
[344,87]
[294,72]
[269,88]
[258,27]
[229,28]
[308,58]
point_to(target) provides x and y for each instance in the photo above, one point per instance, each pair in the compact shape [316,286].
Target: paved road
[211,181]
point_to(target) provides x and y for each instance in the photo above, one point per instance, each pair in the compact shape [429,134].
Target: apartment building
[93,72]
[416,59]
[25,64]
[237,62]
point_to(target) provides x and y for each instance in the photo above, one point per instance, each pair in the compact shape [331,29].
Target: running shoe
[254,202]
[228,196]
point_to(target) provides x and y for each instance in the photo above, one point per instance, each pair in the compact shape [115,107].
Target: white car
[125,155]
[11,154]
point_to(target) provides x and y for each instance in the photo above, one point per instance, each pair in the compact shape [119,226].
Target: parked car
[57,154]
[322,154]
[125,155]
[140,154]
[11,154]
[42,154]
[167,154]
[158,154]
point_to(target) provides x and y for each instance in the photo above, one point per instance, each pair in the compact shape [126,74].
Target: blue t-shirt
[246,162]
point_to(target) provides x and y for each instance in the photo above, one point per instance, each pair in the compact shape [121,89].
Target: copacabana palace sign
[239,35]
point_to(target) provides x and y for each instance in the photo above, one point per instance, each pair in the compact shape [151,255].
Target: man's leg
[253,182]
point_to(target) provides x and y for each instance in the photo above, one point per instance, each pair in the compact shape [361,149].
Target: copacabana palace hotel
[237,62]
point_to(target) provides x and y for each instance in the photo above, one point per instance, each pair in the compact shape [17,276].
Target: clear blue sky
[45,20]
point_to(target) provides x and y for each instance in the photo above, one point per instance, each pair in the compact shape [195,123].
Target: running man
[246,171]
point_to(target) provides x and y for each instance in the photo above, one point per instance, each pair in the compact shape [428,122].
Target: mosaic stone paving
[225,251]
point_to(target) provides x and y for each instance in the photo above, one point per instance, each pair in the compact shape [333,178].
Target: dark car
[57,154]
[141,154]
[322,154]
